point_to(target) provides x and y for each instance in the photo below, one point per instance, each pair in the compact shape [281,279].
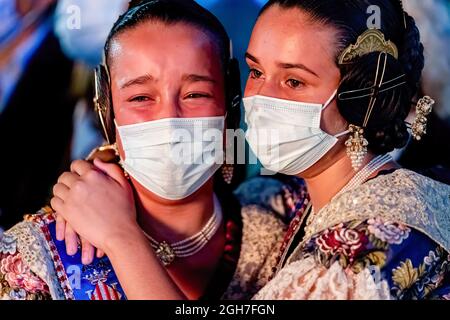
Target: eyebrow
[297,66]
[137,81]
[198,78]
[285,65]
[250,57]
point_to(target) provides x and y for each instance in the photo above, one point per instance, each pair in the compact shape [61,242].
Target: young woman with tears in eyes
[338,94]
[168,67]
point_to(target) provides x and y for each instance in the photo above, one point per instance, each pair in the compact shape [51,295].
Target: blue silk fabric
[96,281]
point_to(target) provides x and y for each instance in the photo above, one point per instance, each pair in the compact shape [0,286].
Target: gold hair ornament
[356,143]
[372,40]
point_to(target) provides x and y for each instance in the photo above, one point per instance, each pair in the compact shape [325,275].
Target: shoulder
[27,270]
[278,194]
[261,229]
[403,196]
[405,260]
[262,232]
[267,207]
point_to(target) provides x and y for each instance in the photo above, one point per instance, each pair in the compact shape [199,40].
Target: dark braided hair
[386,129]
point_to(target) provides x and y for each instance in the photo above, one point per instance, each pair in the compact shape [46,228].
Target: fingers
[60,228]
[60,190]
[68,179]
[100,254]
[57,204]
[112,170]
[81,167]
[71,241]
[87,252]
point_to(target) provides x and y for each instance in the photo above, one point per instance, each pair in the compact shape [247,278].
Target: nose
[171,107]
[266,88]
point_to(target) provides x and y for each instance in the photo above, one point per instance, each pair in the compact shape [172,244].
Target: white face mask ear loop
[326,105]
[342,134]
[333,96]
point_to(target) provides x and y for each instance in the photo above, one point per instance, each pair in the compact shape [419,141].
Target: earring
[356,146]
[423,109]
[227,173]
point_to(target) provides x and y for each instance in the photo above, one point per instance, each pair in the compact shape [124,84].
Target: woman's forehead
[175,40]
[288,35]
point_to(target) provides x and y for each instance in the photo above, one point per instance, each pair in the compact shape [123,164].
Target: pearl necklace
[373,166]
[188,247]
[366,172]
[357,180]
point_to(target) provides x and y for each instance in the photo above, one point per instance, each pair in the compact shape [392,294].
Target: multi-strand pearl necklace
[357,180]
[362,175]
[167,253]
[373,166]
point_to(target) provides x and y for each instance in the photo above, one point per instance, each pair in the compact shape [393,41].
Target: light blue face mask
[83,26]
[286,135]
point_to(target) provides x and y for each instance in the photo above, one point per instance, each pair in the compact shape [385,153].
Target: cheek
[251,88]
[127,116]
[332,121]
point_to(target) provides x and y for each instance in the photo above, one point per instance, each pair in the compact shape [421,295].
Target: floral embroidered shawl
[387,239]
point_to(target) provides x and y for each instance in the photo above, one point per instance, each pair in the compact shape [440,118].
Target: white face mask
[286,135]
[173,157]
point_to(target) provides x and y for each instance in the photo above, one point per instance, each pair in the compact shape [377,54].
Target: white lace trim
[307,280]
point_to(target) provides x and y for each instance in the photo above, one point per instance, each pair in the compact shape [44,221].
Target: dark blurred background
[49,47]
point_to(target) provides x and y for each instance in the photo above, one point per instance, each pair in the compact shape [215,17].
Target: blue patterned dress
[387,239]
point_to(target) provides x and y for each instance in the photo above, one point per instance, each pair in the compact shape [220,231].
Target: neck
[325,185]
[174,221]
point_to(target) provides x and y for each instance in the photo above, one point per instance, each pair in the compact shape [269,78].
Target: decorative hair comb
[372,40]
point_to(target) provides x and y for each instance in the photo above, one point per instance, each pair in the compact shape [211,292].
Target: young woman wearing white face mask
[151,97]
[370,229]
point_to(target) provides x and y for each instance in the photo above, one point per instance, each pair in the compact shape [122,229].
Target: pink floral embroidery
[18,275]
[390,232]
[341,240]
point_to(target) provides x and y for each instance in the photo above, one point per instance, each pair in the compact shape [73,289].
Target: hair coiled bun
[386,129]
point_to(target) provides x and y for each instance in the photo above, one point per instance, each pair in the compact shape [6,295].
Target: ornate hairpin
[423,109]
[357,143]
[372,40]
